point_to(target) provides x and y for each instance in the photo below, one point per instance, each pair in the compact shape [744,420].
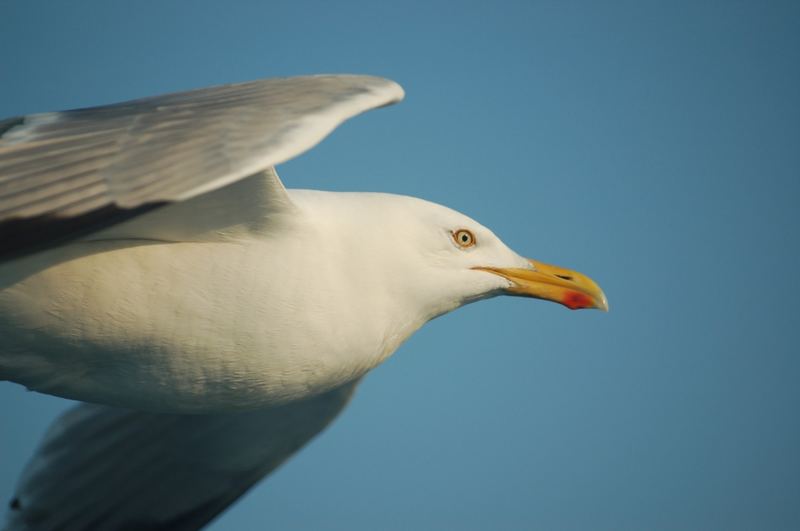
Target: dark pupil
[464,238]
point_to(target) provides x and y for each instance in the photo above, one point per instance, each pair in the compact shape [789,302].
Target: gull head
[433,257]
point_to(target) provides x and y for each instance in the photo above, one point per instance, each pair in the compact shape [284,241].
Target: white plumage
[154,261]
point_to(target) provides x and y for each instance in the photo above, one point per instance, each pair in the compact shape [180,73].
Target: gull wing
[106,468]
[66,174]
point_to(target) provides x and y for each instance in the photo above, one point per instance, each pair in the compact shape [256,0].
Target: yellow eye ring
[464,238]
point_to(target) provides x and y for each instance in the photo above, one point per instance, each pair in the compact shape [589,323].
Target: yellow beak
[570,288]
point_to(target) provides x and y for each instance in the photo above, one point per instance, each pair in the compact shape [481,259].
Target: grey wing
[113,469]
[63,174]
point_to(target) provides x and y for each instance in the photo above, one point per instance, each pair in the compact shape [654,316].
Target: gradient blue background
[652,145]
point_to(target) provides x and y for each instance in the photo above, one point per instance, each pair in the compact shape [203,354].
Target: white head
[429,257]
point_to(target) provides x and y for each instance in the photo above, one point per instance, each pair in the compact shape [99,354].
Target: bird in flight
[154,267]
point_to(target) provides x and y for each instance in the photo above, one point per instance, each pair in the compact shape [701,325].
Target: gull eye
[464,238]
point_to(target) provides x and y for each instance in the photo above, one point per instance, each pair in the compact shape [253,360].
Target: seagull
[154,267]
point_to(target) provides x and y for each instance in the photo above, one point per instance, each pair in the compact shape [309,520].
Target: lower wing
[106,468]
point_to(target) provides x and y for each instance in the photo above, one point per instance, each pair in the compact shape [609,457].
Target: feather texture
[63,174]
[117,469]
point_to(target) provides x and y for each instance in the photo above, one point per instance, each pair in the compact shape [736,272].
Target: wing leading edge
[66,174]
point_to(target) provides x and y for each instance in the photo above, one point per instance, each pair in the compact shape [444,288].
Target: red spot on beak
[575,301]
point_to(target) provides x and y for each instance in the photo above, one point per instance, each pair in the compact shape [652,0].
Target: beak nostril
[565,277]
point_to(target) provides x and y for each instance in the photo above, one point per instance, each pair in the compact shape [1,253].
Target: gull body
[153,265]
[307,300]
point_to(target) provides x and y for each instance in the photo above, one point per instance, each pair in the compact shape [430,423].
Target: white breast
[194,327]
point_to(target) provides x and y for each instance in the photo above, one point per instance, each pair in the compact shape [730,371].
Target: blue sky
[652,145]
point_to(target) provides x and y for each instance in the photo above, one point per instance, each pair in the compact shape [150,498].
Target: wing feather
[106,468]
[89,168]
